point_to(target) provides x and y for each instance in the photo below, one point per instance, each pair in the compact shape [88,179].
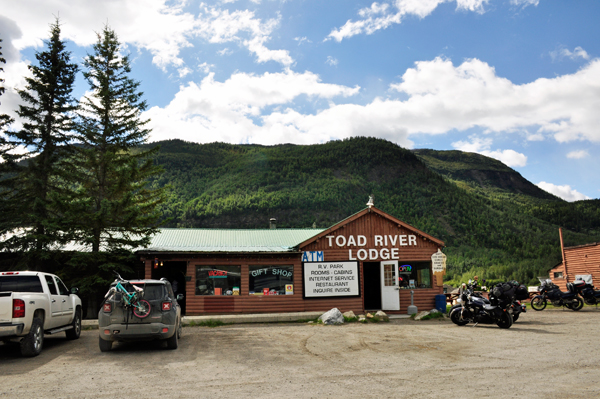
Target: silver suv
[118,321]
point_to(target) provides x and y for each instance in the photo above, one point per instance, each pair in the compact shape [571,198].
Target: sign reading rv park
[325,279]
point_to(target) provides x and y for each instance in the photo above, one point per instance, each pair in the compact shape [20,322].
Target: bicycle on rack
[130,299]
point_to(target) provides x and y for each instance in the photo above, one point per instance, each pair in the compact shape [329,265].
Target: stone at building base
[334,316]
[349,315]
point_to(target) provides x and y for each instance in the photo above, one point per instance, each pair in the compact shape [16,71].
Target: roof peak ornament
[371,202]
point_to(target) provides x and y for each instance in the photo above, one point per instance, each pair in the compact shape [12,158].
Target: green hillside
[494,222]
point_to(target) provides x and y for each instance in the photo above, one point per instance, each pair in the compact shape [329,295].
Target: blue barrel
[440,303]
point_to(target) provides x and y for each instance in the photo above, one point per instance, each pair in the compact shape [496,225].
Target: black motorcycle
[550,292]
[475,309]
[587,292]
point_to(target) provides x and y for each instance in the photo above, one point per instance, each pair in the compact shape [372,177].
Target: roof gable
[351,219]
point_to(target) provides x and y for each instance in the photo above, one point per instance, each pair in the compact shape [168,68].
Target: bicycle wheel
[141,308]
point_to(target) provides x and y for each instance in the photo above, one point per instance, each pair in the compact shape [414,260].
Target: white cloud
[443,97]
[159,26]
[302,40]
[578,154]
[482,146]
[525,3]
[565,192]
[331,61]
[228,110]
[382,15]
[563,53]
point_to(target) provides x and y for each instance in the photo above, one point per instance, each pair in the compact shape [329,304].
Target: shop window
[218,280]
[558,274]
[414,275]
[271,280]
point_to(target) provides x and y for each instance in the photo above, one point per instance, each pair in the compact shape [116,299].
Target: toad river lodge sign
[379,248]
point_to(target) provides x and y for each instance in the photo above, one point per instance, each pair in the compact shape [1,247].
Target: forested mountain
[495,223]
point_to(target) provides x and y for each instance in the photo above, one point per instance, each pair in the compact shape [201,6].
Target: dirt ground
[548,354]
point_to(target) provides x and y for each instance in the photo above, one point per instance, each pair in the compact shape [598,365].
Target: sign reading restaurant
[325,279]
[372,252]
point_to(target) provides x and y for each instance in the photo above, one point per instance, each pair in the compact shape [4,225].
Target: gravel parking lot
[549,354]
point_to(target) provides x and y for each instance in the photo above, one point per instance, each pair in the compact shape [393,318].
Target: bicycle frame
[141,307]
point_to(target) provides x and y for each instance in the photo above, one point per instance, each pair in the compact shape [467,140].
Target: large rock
[334,316]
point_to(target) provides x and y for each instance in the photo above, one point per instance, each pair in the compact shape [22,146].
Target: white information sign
[325,279]
[438,262]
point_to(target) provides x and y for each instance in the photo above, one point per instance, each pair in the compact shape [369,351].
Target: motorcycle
[550,292]
[475,309]
[587,292]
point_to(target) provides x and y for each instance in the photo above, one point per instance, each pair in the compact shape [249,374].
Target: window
[218,280]
[62,290]
[414,274]
[271,280]
[20,284]
[51,285]
[558,274]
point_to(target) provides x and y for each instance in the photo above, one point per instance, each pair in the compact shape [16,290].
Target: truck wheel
[105,346]
[31,345]
[75,332]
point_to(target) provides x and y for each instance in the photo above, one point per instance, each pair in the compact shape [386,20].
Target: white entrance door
[390,297]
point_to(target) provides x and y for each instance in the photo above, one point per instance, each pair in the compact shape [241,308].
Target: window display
[414,275]
[271,280]
[218,280]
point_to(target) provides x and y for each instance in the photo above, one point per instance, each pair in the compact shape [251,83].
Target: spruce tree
[116,209]
[5,120]
[36,189]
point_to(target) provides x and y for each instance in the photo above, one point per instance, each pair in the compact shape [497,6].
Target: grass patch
[206,323]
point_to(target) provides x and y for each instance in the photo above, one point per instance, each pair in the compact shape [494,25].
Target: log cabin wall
[583,260]
[558,276]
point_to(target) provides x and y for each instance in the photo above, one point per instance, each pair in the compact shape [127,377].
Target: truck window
[61,287]
[20,284]
[51,285]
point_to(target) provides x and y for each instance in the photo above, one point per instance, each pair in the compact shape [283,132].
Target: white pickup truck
[33,304]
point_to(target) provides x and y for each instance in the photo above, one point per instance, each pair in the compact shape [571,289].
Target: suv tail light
[166,306]
[107,308]
[18,308]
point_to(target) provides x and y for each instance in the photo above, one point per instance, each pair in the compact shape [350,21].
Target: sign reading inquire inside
[323,279]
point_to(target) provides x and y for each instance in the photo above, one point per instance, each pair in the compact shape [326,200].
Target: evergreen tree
[5,120]
[35,190]
[116,209]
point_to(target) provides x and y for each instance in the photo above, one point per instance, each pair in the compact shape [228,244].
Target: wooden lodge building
[581,262]
[369,261]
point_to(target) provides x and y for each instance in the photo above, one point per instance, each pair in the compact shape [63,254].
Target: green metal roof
[217,240]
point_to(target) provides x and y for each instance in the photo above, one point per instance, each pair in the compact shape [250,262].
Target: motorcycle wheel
[515,317]
[538,303]
[455,317]
[577,304]
[505,321]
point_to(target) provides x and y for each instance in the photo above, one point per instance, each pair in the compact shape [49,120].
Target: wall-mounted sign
[312,256]
[289,289]
[405,269]
[378,249]
[325,279]
[438,262]
[217,274]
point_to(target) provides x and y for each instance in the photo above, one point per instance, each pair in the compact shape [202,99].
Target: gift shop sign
[324,279]
[361,249]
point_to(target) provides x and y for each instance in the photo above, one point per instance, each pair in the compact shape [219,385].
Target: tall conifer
[47,113]
[116,208]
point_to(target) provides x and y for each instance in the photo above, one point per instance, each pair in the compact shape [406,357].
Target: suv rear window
[153,291]
[20,284]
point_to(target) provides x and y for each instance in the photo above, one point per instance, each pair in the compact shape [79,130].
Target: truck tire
[31,345]
[172,342]
[105,346]
[75,332]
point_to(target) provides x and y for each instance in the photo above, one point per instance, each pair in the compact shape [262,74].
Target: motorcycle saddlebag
[554,294]
[521,292]
[578,284]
